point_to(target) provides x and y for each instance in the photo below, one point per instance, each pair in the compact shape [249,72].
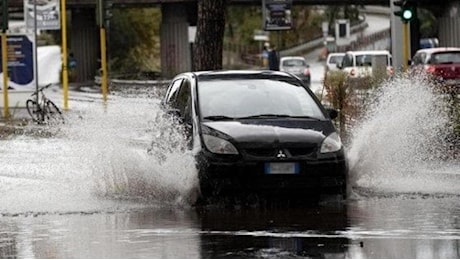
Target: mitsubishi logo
[280,154]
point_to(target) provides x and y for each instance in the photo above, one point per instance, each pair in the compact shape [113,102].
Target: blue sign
[20,61]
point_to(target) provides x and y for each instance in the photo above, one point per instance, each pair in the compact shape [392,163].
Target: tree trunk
[210,34]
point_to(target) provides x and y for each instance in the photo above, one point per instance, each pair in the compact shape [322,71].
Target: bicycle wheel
[34,110]
[53,113]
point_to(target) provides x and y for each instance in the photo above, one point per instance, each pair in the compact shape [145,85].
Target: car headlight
[332,143]
[219,145]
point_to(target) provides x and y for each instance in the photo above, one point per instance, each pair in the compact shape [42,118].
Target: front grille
[273,152]
[261,152]
[302,151]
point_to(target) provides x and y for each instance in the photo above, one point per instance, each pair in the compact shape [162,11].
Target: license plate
[282,168]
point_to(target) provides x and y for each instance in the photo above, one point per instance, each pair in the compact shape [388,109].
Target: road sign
[47,16]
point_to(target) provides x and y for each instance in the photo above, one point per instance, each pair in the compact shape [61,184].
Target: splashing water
[99,161]
[400,146]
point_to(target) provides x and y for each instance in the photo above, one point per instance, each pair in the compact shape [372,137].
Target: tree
[133,48]
[428,23]
[210,34]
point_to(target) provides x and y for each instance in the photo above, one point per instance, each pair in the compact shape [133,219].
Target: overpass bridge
[81,3]
[177,15]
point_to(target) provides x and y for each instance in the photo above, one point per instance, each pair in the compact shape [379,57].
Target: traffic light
[103,12]
[4,14]
[407,11]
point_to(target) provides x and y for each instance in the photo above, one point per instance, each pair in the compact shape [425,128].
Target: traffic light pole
[103,42]
[405,46]
[407,13]
[65,69]
[4,28]
[103,64]
[6,112]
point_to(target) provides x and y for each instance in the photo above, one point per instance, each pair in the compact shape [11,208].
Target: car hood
[292,131]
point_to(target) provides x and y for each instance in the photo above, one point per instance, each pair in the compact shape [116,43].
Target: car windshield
[294,63]
[335,59]
[445,58]
[229,99]
[366,60]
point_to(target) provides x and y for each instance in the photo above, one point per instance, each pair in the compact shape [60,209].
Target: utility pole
[103,14]
[65,69]
[407,14]
[406,46]
[4,25]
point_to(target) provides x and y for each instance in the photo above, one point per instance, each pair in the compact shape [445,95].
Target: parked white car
[359,64]
[333,59]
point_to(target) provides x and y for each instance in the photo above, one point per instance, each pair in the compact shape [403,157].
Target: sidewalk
[89,86]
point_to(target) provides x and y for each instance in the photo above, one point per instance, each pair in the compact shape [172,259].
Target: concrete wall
[449,26]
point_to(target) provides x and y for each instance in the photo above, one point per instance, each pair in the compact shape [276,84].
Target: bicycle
[45,111]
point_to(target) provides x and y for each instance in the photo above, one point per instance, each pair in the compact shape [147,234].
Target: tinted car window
[335,59]
[418,59]
[445,58]
[347,61]
[172,94]
[249,97]
[184,100]
[366,60]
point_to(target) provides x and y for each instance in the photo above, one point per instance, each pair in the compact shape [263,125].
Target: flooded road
[366,228]
[117,181]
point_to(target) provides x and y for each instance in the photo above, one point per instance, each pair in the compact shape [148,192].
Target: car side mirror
[333,114]
[339,65]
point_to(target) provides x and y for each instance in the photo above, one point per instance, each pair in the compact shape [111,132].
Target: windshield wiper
[307,117]
[218,118]
[277,116]
[265,116]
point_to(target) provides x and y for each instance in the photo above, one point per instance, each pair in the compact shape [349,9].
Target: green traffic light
[407,14]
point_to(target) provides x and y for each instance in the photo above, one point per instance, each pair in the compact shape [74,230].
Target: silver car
[296,65]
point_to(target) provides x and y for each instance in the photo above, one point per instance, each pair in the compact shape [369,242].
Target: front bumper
[314,176]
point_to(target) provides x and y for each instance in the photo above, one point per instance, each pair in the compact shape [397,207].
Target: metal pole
[405,45]
[103,64]
[65,72]
[103,46]
[35,51]
[6,112]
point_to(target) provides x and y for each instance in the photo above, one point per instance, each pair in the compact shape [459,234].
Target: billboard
[277,14]
[20,61]
[47,16]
